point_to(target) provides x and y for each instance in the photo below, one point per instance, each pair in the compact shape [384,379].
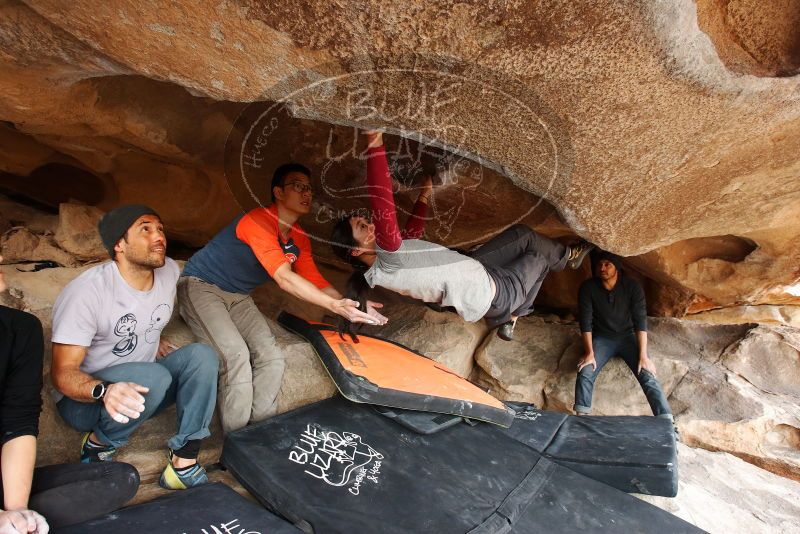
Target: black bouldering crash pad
[637,454]
[209,509]
[336,467]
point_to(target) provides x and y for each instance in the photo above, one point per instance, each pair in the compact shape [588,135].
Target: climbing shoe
[506,331]
[94,452]
[174,478]
[577,253]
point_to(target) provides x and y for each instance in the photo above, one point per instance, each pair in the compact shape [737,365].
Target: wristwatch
[99,391]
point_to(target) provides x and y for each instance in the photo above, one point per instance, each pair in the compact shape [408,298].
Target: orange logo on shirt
[291,257]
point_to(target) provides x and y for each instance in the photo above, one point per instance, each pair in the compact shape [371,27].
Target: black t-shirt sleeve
[585,311]
[22,388]
[638,307]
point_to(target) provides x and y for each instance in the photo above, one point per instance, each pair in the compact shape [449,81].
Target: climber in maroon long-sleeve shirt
[497,283]
[387,233]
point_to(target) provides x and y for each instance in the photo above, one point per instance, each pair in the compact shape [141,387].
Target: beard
[147,259]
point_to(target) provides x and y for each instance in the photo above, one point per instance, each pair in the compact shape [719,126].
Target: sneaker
[93,453]
[577,253]
[506,331]
[171,479]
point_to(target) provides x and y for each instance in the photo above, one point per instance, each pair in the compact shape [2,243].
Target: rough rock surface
[30,235]
[77,232]
[644,126]
[732,388]
[21,245]
[18,214]
[721,494]
[763,314]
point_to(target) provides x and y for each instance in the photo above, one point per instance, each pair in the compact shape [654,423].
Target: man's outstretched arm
[372,306]
[299,287]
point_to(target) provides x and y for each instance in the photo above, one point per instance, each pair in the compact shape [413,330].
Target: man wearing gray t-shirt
[111,369]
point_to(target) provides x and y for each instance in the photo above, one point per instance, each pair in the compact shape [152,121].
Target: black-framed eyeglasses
[301,187]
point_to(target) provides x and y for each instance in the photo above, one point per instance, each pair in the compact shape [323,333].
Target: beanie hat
[599,255]
[116,222]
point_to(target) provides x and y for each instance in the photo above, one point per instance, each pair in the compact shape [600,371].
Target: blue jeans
[187,377]
[627,348]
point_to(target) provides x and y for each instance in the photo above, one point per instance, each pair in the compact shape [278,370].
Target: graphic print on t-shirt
[126,329]
[118,323]
[290,250]
[158,320]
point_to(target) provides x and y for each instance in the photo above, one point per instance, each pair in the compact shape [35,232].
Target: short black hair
[281,172]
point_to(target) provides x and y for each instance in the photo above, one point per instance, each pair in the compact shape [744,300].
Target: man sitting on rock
[613,321]
[109,363]
[214,295]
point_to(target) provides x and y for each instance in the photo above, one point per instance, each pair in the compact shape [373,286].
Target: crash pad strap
[515,504]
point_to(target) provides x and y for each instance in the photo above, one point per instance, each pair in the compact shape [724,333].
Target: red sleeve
[305,266]
[379,186]
[415,225]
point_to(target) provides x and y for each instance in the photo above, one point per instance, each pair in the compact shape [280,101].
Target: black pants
[66,494]
[518,259]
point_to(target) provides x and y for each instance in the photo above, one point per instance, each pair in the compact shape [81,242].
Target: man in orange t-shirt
[214,295]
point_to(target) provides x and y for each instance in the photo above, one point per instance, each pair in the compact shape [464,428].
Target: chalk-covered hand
[348,309]
[22,521]
[124,401]
[374,138]
[372,311]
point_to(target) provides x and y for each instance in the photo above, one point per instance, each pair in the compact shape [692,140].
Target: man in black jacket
[613,321]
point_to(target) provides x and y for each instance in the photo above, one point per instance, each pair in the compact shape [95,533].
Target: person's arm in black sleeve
[22,394]
[585,318]
[638,307]
[585,312]
[19,414]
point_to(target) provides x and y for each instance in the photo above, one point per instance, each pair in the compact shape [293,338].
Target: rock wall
[665,130]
